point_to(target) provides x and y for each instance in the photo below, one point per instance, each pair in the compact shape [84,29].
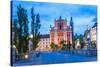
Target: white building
[44,43]
[93,33]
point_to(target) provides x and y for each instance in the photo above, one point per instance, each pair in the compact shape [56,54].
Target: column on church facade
[56,37]
[71,37]
[64,37]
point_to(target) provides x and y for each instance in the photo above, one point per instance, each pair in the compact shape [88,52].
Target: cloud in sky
[83,15]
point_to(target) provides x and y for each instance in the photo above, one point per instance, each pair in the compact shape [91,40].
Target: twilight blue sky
[83,15]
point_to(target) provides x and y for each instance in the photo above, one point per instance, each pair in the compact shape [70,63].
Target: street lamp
[26,56]
[30,43]
[14,46]
[88,39]
[31,36]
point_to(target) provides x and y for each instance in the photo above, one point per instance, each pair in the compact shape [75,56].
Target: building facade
[61,31]
[93,33]
[44,43]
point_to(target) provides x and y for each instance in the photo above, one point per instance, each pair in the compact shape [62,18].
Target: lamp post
[30,42]
[89,42]
[26,56]
[14,54]
[31,36]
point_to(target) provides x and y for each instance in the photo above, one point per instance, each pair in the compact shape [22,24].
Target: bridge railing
[85,52]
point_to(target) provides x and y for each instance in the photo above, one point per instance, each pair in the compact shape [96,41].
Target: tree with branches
[35,26]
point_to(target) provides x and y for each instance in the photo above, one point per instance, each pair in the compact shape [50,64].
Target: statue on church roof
[60,17]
